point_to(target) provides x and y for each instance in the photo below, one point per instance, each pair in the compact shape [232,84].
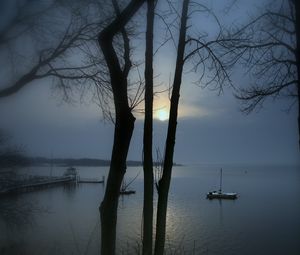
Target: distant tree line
[76,162]
[11,155]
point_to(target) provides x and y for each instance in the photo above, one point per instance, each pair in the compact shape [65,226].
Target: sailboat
[219,194]
[124,190]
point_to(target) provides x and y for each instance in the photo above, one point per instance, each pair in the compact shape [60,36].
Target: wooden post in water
[51,164]
[220,190]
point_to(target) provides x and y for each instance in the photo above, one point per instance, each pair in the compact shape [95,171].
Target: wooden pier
[13,183]
[14,186]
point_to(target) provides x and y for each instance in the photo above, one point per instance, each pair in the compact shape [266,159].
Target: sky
[211,127]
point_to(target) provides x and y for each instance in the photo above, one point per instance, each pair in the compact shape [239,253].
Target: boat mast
[220,190]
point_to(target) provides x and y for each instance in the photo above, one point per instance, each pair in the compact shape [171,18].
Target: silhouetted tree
[78,35]
[164,183]
[51,42]
[112,74]
[124,123]
[269,46]
[56,59]
[205,59]
[148,133]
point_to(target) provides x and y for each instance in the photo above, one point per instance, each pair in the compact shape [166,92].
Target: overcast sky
[211,129]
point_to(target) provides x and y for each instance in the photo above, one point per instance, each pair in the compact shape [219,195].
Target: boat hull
[127,192]
[221,195]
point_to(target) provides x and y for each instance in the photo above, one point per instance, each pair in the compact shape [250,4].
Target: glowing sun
[162,114]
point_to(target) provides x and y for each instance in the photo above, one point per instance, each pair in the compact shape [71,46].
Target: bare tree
[52,41]
[108,72]
[56,59]
[269,47]
[164,183]
[204,58]
[148,133]
[124,123]
[112,74]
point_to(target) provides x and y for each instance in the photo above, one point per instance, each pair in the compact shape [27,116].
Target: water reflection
[221,210]
[267,195]
[18,216]
[17,212]
[70,189]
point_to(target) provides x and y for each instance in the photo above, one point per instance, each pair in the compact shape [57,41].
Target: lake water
[265,219]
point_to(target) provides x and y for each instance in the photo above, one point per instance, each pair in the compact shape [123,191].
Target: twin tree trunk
[148,133]
[124,124]
[164,183]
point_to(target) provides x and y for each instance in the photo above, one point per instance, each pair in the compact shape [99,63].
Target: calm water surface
[265,219]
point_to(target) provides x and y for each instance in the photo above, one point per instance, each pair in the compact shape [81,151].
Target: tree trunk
[124,126]
[108,210]
[148,133]
[297,13]
[164,183]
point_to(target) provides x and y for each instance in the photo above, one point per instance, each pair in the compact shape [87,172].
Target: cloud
[192,111]
[161,107]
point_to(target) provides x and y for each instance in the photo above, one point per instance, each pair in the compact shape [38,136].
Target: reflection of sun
[162,114]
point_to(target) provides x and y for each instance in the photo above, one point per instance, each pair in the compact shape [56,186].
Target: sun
[162,114]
